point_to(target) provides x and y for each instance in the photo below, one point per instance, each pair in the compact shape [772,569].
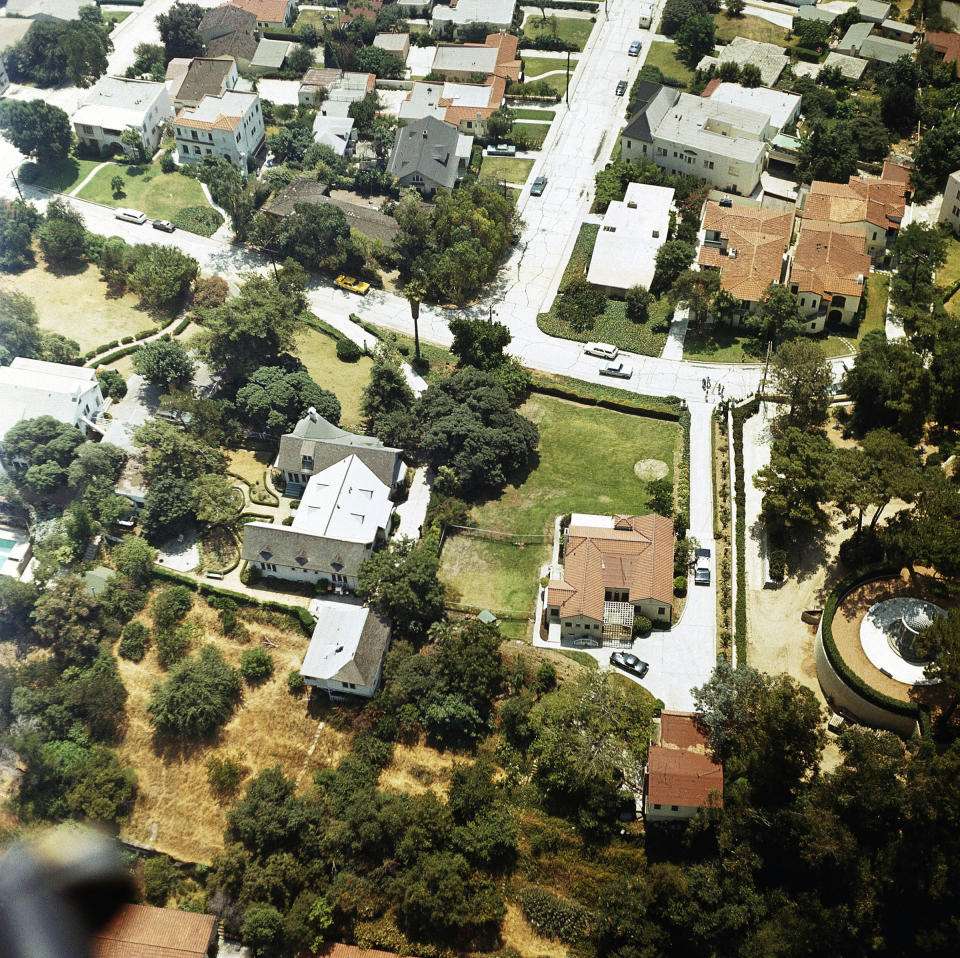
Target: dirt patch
[519,934]
[417,769]
[175,810]
[650,469]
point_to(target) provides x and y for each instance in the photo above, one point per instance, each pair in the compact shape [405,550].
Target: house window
[644,150]
[209,151]
[193,133]
[662,610]
[674,808]
[657,805]
[793,288]
[197,150]
[417,178]
[708,164]
[469,124]
[803,301]
[956,211]
[238,136]
[628,144]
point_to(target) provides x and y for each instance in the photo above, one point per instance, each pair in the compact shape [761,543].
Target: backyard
[160,195]
[570,477]
[612,325]
[318,352]
[753,28]
[77,306]
[508,168]
[660,54]
[572,30]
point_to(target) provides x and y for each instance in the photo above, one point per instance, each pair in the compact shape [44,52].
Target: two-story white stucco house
[229,126]
[117,104]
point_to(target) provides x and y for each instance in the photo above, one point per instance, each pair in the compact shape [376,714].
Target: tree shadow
[68,268]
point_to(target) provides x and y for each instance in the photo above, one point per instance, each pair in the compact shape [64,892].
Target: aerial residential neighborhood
[479,478]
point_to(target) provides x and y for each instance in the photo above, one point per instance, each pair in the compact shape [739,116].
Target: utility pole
[16,183]
[566,92]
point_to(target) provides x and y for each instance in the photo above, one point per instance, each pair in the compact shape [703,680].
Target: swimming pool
[6,547]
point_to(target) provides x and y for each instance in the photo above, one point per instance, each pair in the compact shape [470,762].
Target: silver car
[618,370]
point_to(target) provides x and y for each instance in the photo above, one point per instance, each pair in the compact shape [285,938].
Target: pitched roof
[226,18]
[142,931]
[224,112]
[348,645]
[755,241]
[366,220]
[320,77]
[34,387]
[880,201]
[304,189]
[239,44]
[681,777]
[635,555]
[351,951]
[266,11]
[651,103]
[681,730]
[271,53]
[281,545]
[946,44]
[830,260]
[194,79]
[427,146]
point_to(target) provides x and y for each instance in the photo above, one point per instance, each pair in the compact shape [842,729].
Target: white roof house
[115,104]
[702,122]
[347,649]
[333,131]
[461,58]
[497,12]
[424,99]
[32,387]
[346,502]
[783,108]
[349,88]
[633,230]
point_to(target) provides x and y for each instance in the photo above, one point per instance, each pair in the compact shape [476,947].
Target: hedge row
[118,354]
[182,325]
[144,333]
[740,415]
[683,480]
[123,3]
[266,491]
[862,688]
[306,620]
[951,290]
[617,405]
[572,5]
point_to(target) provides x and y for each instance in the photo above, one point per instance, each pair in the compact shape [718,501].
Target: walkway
[673,347]
[414,510]
[76,190]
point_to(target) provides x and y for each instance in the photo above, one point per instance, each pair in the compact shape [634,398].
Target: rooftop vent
[732,253]
[860,279]
[312,413]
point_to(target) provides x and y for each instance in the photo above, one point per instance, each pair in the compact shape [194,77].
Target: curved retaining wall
[840,695]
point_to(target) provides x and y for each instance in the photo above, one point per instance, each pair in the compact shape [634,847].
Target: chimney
[312,413]
[657,737]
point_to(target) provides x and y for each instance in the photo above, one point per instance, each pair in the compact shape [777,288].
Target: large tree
[827,151]
[779,317]
[164,363]
[162,276]
[672,259]
[921,250]
[940,643]
[18,220]
[56,51]
[695,38]
[178,30]
[388,405]
[479,342]
[936,156]
[46,445]
[274,400]
[694,290]
[19,330]
[801,373]
[37,128]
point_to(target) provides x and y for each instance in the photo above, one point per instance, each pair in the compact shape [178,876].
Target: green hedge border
[306,620]
[118,354]
[740,415]
[236,542]
[246,482]
[866,691]
[617,405]
[683,504]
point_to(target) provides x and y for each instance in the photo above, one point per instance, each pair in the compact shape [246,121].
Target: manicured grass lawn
[76,305]
[569,29]
[160,195]
[527,113]
[570,477]
[661,54]
[875,317]
[612,325]
[536,132]
[535,68]
[115,16]
[347,380]
[508,168]
[63,175]
[721,344]
[753,28]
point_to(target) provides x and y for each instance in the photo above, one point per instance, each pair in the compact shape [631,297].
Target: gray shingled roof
[286,546]
[240,45]
[304,189]
[652,102]
[227,17]
[363,668]
[205,75]
[427,146]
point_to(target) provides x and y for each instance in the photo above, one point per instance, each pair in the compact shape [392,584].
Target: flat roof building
[117,104]
[781,107]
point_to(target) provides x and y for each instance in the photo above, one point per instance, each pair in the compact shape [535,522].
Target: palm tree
[414,292]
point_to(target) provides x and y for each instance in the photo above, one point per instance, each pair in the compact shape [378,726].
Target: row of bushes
[273,500]
[740,415]
[117,354]
[682,481]
[572,5]
[304,618]
[627,406]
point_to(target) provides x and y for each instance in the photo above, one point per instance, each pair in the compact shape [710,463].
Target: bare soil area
[417,769]
[518,934]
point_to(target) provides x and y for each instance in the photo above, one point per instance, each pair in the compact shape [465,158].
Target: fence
[494,535]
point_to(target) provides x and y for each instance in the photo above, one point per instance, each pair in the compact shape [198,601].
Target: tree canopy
[275,400]
[37,128]
[164,363]
[56,51]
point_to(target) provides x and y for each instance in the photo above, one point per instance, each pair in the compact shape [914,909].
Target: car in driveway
[621,87]
[164,225]
[603,350]
[634,50]
[502,149]
[538,186]
[618,370]
[701,566]
[629,663]
[352,285]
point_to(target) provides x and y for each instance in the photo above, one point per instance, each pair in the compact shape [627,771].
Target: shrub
[173,644]
[225,774]
[161,878]
[680,586]
[209,293]
[256,664]
[198,219]
[641,625]
[133,645]
[638,300]
[778,565]
[171,606]
[348,351]
[554,917]
[167,164]
[295,682]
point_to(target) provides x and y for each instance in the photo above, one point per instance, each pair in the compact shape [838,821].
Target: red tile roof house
[681,775]
[142,931]
[947,45]
[613,569]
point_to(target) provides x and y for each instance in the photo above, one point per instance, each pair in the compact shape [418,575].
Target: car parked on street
[701,566]
[634,50]
[538,186]
[629,663]
[621,87]
[603,350]
[130,216]
[352,285]
[502,149]
[164,225]
[618,370]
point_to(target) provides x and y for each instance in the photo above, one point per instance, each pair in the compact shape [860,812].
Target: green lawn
[509,168]
[318,351]
[721,344]
[661,54]
[76,305]
[535,132]
[612,326]
[570,477]
[950,273]
[63,175]
[160,195]
[528,113]
[115,16]
[875,317]
[753,28]
[536,68]
[569,29]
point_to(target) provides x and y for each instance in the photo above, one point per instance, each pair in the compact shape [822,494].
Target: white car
[603,350]
[131,216]
[618,370]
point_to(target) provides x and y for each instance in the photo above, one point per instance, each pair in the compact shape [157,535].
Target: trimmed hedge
[862,688]
[305,619]
[126,3]
[182,325]
[683,480]
[144,333]
[201,220]
[119,354]
[740,415]
[617,405]
[572,5]
[126,340]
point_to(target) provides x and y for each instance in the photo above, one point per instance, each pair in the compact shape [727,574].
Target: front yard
[575,30]
[538,68]
[61,176]
[318,352]
[508,168]
[587,464]
[661,54]
[753,28]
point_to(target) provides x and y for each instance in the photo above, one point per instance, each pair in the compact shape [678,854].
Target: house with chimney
[429,155]
[467,106]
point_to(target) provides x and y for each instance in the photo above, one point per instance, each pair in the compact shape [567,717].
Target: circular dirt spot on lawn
[649,469]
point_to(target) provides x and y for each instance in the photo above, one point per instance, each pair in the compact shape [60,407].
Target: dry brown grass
[250,464]
[417,769]
[517,933]
[175,810]
[532,657]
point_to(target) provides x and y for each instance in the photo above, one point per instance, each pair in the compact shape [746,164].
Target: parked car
[164,225]
[621,87]
[502,149]
[629,663]
[586,642]
[538,186]
[634,50]
[701,567]
[618,370]
[603,350]
[131,216]
[352,285]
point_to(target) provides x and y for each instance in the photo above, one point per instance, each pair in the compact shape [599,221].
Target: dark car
[629,663]
[621,87]
[164,225]
[538,186]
